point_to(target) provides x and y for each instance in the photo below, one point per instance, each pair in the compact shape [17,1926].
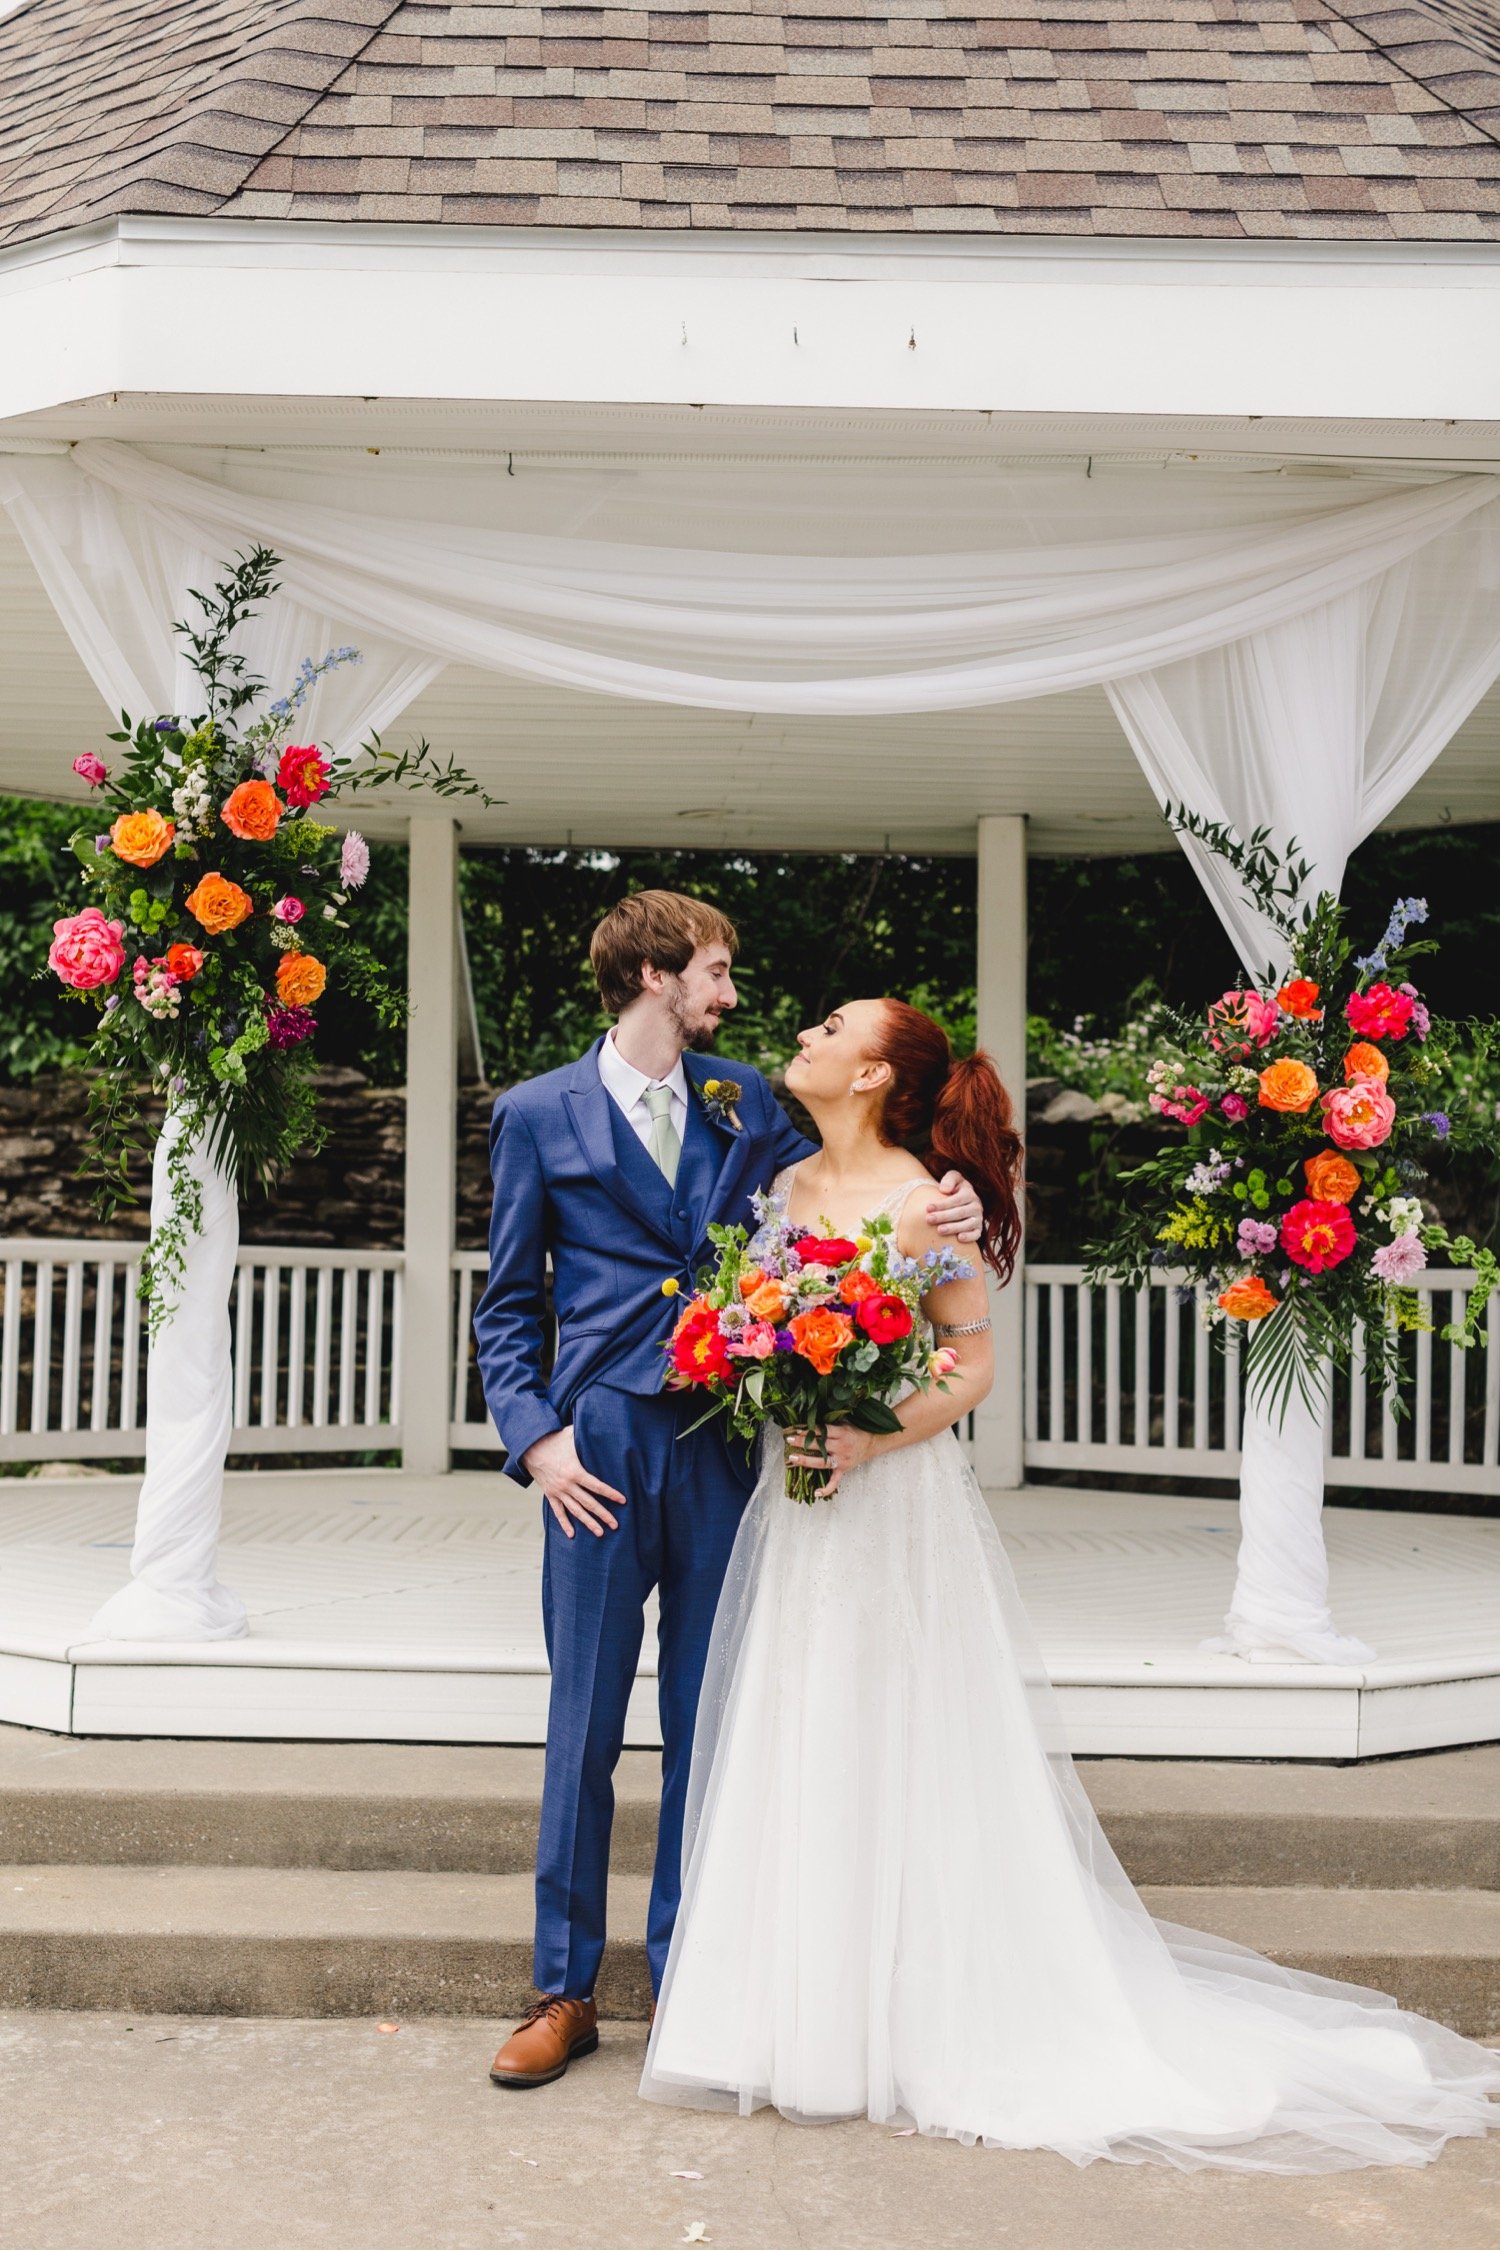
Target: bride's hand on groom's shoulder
[955,1209]
[570,1492]
[841,1449]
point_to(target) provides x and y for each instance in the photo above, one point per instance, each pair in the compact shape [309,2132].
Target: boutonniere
[719,1098]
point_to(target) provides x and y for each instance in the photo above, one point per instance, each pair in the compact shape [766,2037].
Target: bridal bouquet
[803,1330]
[219,909]
[1309,1104]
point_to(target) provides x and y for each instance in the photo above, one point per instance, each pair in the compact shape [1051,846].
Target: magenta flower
[90,769]
[288,1027]
[1235,1108]
[289,910]
[354,861]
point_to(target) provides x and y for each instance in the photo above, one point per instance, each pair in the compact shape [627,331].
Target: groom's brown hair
[661,927]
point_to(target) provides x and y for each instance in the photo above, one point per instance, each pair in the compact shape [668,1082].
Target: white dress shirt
[627,1088]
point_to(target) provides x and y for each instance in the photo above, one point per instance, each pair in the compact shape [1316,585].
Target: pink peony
[1235,1108]
[1378,1013]
[354,861]
[1399,1261]
[758,1341]
[1241,1021]
[86,950]
[289,910]
[1359,1116]
[90,769]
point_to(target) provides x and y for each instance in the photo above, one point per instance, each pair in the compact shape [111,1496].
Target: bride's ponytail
[955,1115]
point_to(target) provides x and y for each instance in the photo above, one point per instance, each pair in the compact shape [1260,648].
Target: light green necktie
[664,1145]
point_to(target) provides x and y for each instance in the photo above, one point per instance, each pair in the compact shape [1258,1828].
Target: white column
[431,1143]
[998,1428]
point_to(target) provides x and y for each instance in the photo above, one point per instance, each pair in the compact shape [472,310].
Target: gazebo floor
[404,1609]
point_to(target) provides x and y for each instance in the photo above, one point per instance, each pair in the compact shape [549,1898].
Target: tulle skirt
[898,1902]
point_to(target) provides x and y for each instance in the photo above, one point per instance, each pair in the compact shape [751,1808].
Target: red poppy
[826,1250]
[885,1320]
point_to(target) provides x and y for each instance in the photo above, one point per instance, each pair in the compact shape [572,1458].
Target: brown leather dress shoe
[551,2034]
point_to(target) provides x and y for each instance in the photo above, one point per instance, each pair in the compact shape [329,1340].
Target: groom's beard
[697,1036]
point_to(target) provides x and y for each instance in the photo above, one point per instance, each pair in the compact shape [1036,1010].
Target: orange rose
[1288,1086]
[219,904]
[1331,1178]
[821,1335]
[142,838]
[1249,1299]
[184,962]
[1365,1061]
[767,1301]
[857,1285]
[253,812]
[1300,999]
[299,980]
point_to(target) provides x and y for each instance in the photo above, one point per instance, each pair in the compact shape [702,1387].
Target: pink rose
[758,1341]
[1235,1108]
[1240,1021]
[289,910]
[86,950]
[1360,1115]
[90,769]
[1399,1261]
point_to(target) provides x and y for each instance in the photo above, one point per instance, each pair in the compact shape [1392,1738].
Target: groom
[616,1166]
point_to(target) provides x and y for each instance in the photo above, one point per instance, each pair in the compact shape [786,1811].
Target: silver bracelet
[961,1327]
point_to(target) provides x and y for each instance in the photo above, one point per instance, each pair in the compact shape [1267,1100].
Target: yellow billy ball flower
[671,1287]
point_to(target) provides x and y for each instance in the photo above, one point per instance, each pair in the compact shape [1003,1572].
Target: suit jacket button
[682,1214]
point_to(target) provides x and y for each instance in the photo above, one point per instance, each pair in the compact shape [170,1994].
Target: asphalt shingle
[1258,118]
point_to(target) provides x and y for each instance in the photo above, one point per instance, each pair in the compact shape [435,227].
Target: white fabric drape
[174,1593]
[1276,657]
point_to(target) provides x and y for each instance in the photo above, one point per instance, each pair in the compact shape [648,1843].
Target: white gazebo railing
[317,1350]
[1129,1382]
[1115,1381]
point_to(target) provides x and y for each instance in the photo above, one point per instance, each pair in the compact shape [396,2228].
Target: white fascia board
[267,307]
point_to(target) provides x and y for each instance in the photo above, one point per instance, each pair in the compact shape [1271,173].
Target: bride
[897,1900]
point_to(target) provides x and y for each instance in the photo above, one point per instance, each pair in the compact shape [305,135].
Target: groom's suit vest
[573,1181]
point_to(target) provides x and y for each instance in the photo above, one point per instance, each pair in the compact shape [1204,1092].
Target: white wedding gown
[898,1902]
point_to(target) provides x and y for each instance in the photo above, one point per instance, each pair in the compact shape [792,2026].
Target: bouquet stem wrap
[174,1593]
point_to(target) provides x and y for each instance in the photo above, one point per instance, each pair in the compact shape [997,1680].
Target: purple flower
[102,843]
[1255,1238]
[1401,1260]
[165,725]
[1439,1120]
[354,861]
[785,1340]
[288,1027]
[1421,1020]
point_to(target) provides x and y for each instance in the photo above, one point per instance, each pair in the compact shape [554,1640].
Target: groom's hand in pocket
[570,1492]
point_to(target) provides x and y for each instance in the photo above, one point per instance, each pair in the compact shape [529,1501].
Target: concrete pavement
[189,2133]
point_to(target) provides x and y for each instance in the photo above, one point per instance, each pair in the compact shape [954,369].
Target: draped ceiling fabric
[1283,654]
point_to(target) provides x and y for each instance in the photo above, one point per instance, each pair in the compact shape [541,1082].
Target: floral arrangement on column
[220,908]
[1305,1109]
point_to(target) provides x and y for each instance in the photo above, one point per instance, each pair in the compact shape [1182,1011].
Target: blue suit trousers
[684,1499]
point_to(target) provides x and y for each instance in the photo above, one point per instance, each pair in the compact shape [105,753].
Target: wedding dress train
[898,1902]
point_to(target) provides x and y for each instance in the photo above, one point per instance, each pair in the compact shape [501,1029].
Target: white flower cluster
[1403,1214]
[193,805]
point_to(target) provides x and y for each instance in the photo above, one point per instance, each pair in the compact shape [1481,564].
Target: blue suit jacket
[572,1179]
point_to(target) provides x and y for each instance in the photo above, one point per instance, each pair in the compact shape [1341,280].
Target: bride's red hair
[954,1114]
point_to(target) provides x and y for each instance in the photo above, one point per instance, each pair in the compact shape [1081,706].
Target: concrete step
[1426,1821]
[325,1942]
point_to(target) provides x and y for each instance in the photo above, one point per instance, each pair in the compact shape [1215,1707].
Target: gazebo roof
[1193,118]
